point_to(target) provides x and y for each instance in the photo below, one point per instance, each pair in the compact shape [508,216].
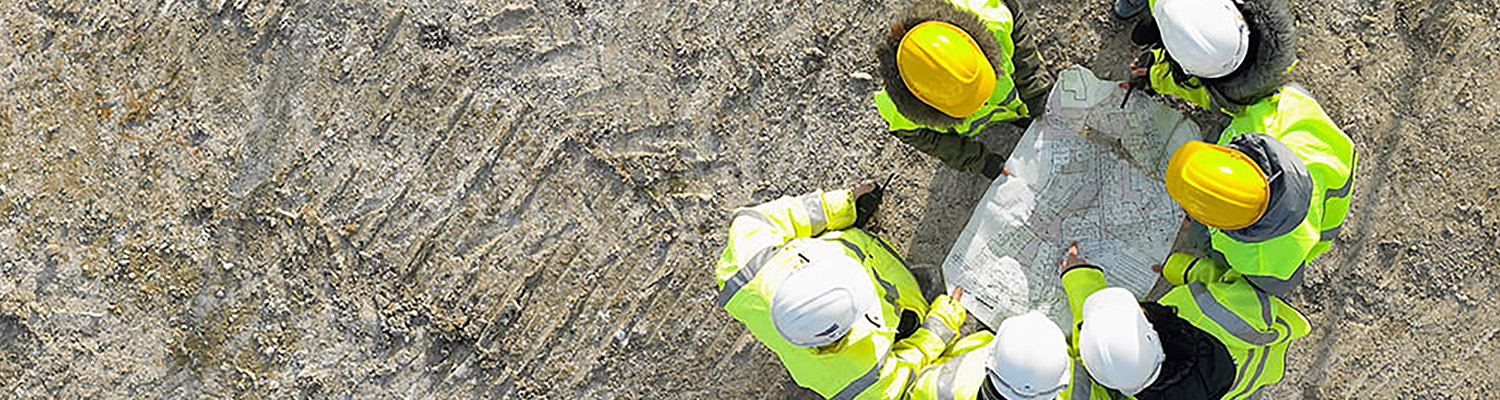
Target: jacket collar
[1291,187]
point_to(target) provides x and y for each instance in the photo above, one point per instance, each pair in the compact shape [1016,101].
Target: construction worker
[1212,336]
[953,68]
[1273,191]
[1027,358]
[837,305]
[1218,54]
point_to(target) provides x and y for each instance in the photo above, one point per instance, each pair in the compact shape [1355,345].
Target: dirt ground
[524,199]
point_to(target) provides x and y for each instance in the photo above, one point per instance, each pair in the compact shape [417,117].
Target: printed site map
[1088,171]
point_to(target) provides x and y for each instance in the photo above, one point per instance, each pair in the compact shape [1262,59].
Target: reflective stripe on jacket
[1295,119]
[1005,102]
[868,363]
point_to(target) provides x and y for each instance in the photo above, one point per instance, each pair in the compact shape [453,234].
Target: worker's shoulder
[1307,127]
[852,236]
[991,11]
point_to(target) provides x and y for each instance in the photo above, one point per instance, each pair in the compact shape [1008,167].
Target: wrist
[1177,267]
[1078,267]
[838,205]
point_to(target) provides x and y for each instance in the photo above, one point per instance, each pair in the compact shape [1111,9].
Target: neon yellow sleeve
[930,383]
[1079,283]
[1182,268]
[931,340]
[1163,81]
[907,359]
[838,206]
[943,319]
[765,227]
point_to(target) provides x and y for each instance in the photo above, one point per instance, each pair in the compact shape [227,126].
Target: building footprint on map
[1088,171]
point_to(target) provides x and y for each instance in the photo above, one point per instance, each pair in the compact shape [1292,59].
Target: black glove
[865,205]
[1143,60]
[993,166]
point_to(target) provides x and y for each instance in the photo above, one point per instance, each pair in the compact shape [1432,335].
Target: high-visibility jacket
[869,362]
[1294,118]
[1165,81]
[1256,328]
[1005,102]
[1169,80]
[960,372]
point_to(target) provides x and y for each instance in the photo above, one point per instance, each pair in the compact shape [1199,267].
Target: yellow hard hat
[1218,186]
[944,67]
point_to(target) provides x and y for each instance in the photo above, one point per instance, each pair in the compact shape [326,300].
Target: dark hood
[1268,63]
[1197,365]
[1291,187]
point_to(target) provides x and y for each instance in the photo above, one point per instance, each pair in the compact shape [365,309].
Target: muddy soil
[522,199]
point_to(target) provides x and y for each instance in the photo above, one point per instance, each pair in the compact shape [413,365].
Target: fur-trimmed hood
[918,12]
[1273,50]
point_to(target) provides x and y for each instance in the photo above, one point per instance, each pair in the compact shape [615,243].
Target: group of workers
[846,317]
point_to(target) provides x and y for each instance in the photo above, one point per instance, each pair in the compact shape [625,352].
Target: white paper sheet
[1089,170]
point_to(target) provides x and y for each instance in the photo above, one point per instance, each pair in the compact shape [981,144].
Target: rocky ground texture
[524,199]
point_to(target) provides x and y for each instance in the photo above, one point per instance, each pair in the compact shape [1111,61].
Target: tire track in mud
[1382,273]
[525,199]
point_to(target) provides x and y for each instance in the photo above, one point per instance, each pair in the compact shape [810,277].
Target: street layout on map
[1088,171]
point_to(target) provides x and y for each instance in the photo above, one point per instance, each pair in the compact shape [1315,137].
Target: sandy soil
[513,199]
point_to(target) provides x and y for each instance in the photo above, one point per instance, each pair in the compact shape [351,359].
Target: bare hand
[864,189]
[958,293]
[1136,70]
[1073,259]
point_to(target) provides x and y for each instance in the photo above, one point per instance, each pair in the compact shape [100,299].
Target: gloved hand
[949,309]
[1140,70]
[867,199]
[994,166]
[945,316]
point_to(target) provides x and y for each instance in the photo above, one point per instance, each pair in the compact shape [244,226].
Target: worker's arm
[1079,279]
[941,380]
[1166,79]
[944,317]
[1182,268]
[1079,282]
[959,152]
[756,232]
[938,330]
[1275,264]
[910,356]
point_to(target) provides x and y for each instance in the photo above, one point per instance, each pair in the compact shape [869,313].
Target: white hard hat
[820,300]
[1118,345]
[1208,38]
[1029,359]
